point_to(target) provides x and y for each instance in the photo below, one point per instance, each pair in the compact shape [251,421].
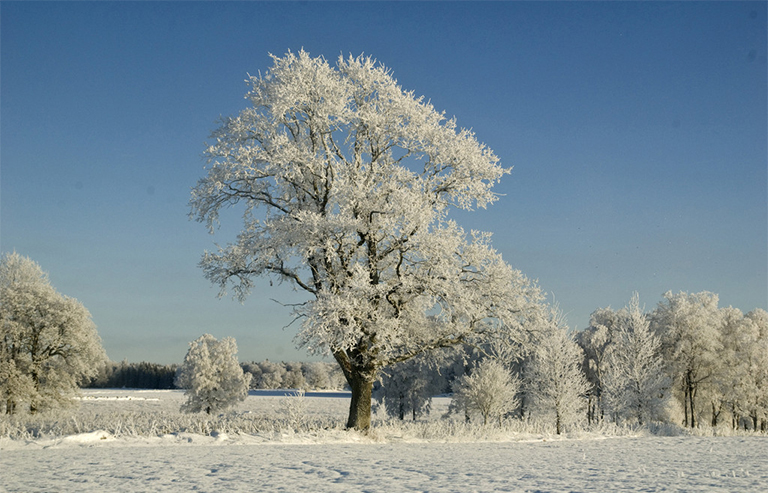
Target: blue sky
[637,132]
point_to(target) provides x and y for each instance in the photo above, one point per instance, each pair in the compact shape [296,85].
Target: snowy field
[334,460]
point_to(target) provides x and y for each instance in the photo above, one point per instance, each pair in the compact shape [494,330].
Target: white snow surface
[339,461]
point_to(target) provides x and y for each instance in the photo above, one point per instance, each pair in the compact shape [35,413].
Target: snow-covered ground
[735,464]
[334,460]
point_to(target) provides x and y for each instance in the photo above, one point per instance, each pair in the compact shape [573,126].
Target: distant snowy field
[339,461]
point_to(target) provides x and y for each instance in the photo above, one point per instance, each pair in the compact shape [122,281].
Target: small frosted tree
[490,390]
[48,342]
[635,383]
[555,383]
[212,375]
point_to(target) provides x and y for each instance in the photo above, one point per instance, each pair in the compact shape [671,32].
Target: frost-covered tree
[272,375]
[346,180]
[254,370]
[742,376]
[48,342]
[757,371]
[593,341]
[555,383]
[688,326]
[212,376]
[317,375]
[489,390]
[634,381]
[294,377]
[407,388]
[729,387]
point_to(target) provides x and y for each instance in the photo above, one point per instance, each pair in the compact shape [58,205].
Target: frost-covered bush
[212,376]
[294,408]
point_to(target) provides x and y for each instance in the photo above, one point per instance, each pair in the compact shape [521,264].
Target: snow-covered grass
[129,440]
[284,415]
[150,413]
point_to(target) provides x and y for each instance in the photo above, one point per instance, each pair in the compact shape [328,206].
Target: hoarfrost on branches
[346,181]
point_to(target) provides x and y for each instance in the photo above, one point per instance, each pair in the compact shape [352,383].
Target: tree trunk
[693,409]
[36,381]
[691,393]
[360,406]
[600,405]
[557,419]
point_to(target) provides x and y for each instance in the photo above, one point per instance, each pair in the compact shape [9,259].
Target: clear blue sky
[637,132]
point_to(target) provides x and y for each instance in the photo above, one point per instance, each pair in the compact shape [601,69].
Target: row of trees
[685,362]
[688,354]
[539,378]
[143,375]
[318,375]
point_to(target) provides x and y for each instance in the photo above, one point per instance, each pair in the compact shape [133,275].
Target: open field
[388,460]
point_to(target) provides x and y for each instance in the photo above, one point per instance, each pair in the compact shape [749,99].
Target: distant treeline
[142,375]
[317,375]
